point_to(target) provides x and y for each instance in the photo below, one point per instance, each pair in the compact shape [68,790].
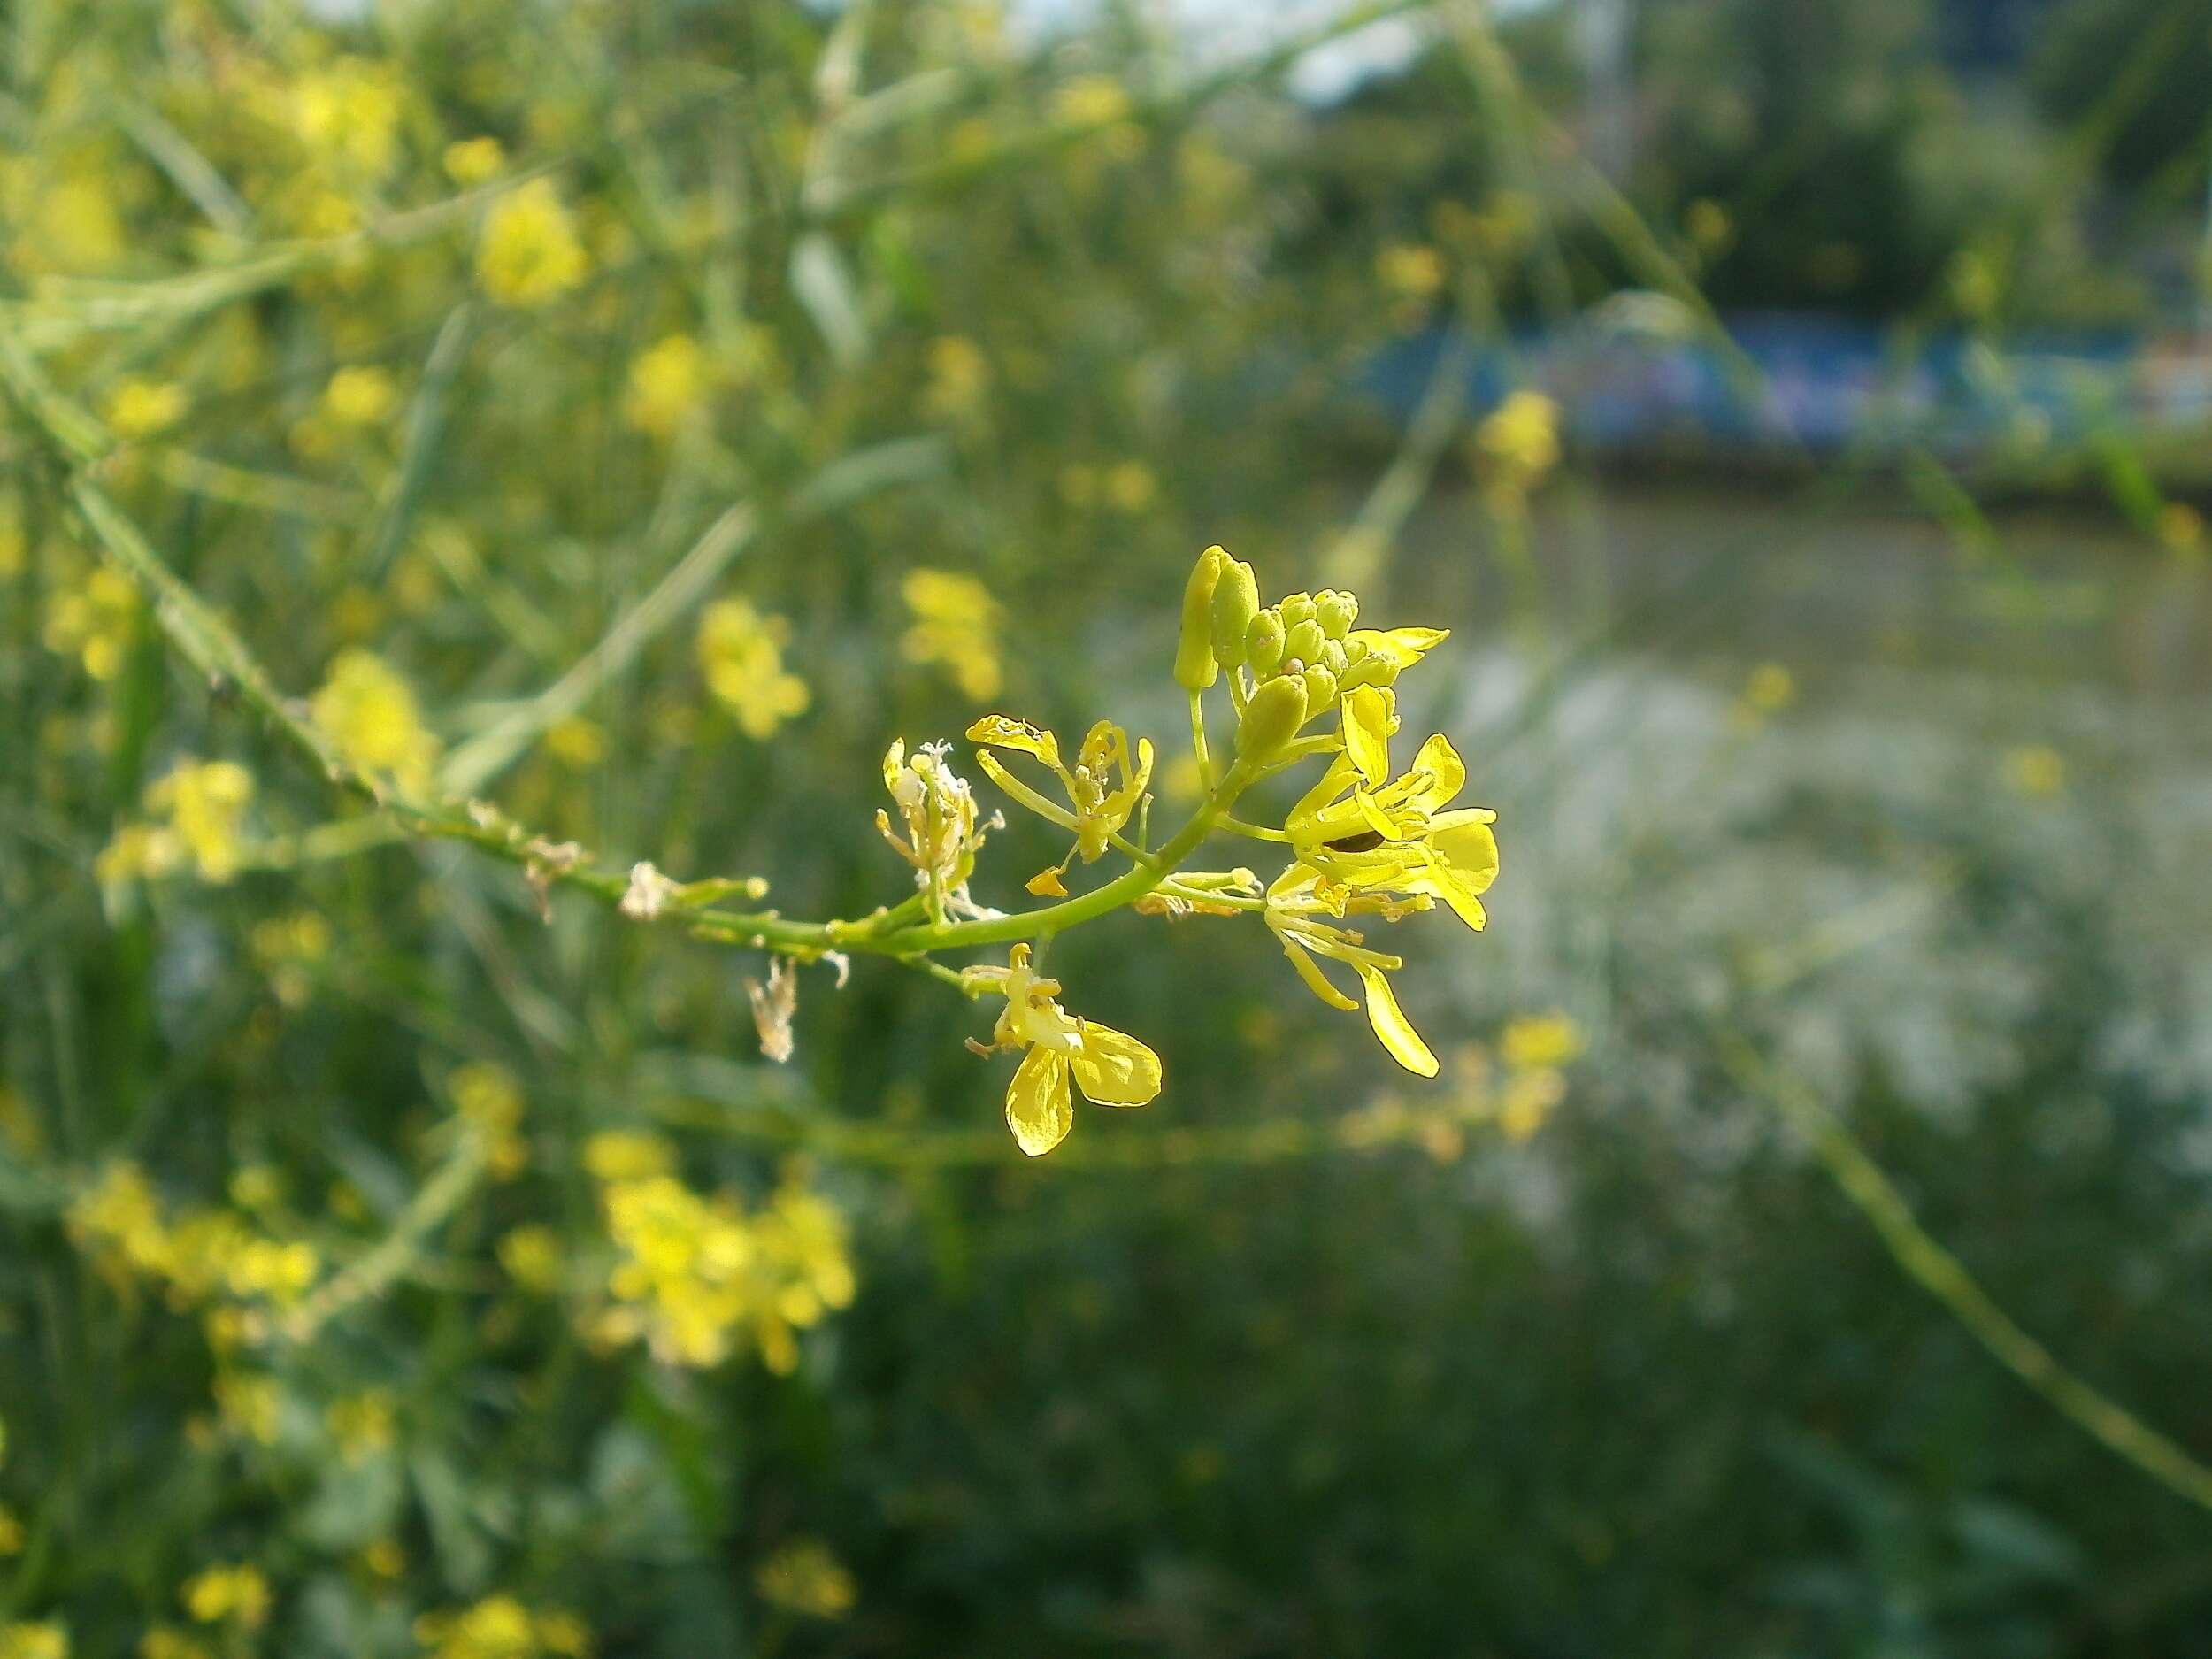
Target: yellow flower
[250,1405]
[10,1532]
[138,409]
[740,653]
[488,1097]
[959,378]
[668,382]
[47,1641]
[943,830]
[627,1155]
[1534,1043]
[1103,789]
[1110,1067]
[1296,903]
[501,1627]
[1527,1102]
[803,1577]
[532,1258]
[225,1594]
[263,1267]
[360,396]
[362,1424]
[349,112]
[1770,688]
[577,743]
[205,802]
[2036,770]
[1358,834]
[95,621]
[1521,438]
[530,253]
[1409,271]
[165,1642]
[371,714]
[1090,100]
[473,160]
[956,623]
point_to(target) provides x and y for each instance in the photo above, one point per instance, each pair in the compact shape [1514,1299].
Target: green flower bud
[1369,671]
[1355,651]
[1263,643]
[1272,718]
[1336,612]
[1333,658]
[1195,665]
[1296,608]
[1320,691]
[1236,601]
[1303,642]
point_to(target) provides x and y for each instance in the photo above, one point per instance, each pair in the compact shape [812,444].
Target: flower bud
[1303,642]
[1320,690]
[1333,658]
[1296,608]
[1263,643]
[1336,612]
[1374,669]
[1195,665]
[1272,718]
[1236,601]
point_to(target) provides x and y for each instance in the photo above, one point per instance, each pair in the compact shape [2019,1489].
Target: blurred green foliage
[451,348]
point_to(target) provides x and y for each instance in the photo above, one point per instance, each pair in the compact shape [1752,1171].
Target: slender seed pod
[1236,601]
[1195,665]
[1272,718]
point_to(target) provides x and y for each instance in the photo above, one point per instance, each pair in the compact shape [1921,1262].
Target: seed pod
[1296,608]
[1303,641]
[1336,611]
[1236,601]
[1195,665]
[1320,690]
[1263,643]
[1272,718]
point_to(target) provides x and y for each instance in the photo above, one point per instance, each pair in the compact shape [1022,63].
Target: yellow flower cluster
[138,409]
[696,1276]
[668,384]
[502,1627]
[741,654]
[369,711]
[194,814]
[530,253]
[805,1578]
[94,621]
[45,1640]
[487,1097]
[119,1222]
[1518,442]
[955,625]
[236,1595]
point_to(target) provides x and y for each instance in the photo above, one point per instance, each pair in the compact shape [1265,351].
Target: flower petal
[1469,850]
[1317,981]
[1039,1110]
[1405,646]
[1447,774]
[1114,1069]
[1393,1027]
[1000,732]
[1367,733]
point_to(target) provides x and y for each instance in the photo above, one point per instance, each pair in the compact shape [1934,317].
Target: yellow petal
[1447,773]
[1392,1026]
[1468,848]
[1114,1069]
[1018,735]
[1045,884]
[1039,1110]
[1406,645]
[1367,733]
[1317,981]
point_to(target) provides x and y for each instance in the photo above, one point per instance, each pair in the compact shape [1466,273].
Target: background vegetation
[637,415]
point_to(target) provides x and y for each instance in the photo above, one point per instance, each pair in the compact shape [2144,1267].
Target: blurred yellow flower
[281,1272]
[138,409]
[532,1256]
[94,621]
[250,1405]
[530,253]
[1527,1102]
[164,1641]
[224,1594]
[956,626]
[502,1627]
[803,1577]
[205,803]
[470,161]
[10,1532]
[740,653]
[371,714]
[668,383]
[1410,271]
[362,1425]
[348,111]
[959,378]
[488,1097]
[627,1155]
[1520,439]
[1090,100]
[2036,770]
[361,395]
[1770,688]
[577,743]
[1534,1041]
[47,1641]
